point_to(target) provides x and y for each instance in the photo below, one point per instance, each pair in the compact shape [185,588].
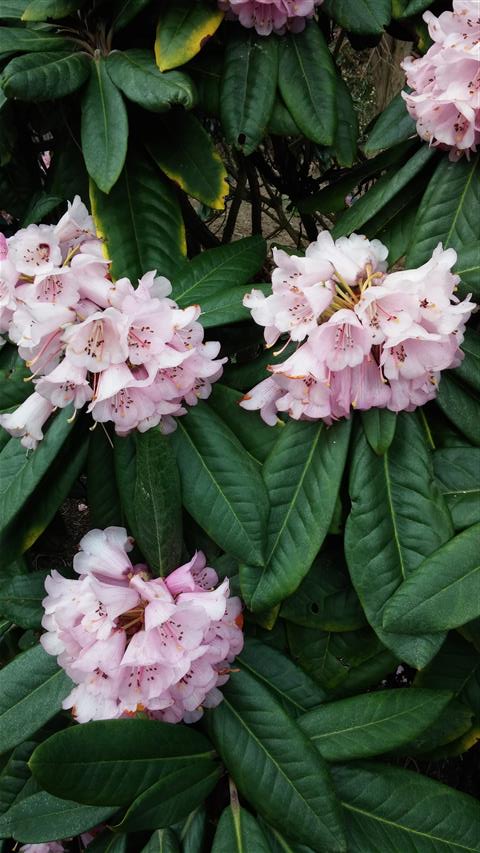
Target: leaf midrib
[403,713]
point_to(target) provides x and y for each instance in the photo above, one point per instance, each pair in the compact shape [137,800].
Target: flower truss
[367,338]
[131,642]
[445,101]
[131,354]
[269,16]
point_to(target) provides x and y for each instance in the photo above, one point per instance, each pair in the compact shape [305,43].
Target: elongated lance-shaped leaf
[398,518]
[302,475]
[45,76]
[32,689]
[42,817]
[248,88]
[274,765]
[393,125]
[443,593]
[136,74]
[104,127]
[391,809]
[372,724]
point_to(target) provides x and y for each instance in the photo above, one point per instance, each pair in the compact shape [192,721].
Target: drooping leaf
[456,469]
[104,127]
[307,82]
[345,144]
[139,78]
[42,817]
[382,193]
[45,76]
[364,16]
[238,831]
[287,682]
[21,599]
[14,775]
[173,798]
[393,125]
[398,518]
[372,724]
[24,39]
[221,485]
[274,765]
[43,10]
[442,592]
[103,499]
[187,155]
[256,436]
[326,599]
[32,689]
[302,476]
[140,221]
[111,762]
[183,29]
[379,426]
[461,405]
[248,88]
[158,507]
[391,809]
[447,212]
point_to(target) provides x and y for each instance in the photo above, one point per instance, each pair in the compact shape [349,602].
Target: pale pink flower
[35,249]
[34,322]
[43,847]
[76,225]
[445,101]
[65,384]
[8,280]
[342,341]
[99,341]
[135,643]
[271,15]
[28,420]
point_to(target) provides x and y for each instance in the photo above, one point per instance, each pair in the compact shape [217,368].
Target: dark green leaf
[379,426]
[127,11]
[456,469]
[326,598]
[32,689]
[363,16]
[45,76]
[125,464]
[192,834]
[171,799]
[255,435]
[221,485]
[398,518]
[452,723]
[108,842]
[307,82]
[183,29]
[248,88]
[162,841]
[443,592]
[390,809]
[381,193]
[23,39]
[14,775]
[468,268]
[461,406]
[392,126]
[345,144]
[140,79]
[111,762]
[187,155]
[274,765]
[13,372]
[448,210]
[469,370]
[140,221]
[104,505]
[302,475]
[42,10]
[43,817]
[287,682]
[372,724]
[21,599]
[104,127]
[238,831]
[158,506]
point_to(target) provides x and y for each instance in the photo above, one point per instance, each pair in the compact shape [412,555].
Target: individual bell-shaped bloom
[352,258]
[58,286]
[66,384]
[407,394]
[121,398]
[412,357]
[386,311]
[28,420]
[35,250]
[342,341]
[76,225]
[33,323]
[103,553]
[263,398]
[99,341]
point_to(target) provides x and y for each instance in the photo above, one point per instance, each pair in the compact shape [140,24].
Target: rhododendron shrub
[239,426]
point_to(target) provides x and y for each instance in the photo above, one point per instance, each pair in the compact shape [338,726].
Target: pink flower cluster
[269,16]
[445,101]
[132,354]
[133,643]
[367,338]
